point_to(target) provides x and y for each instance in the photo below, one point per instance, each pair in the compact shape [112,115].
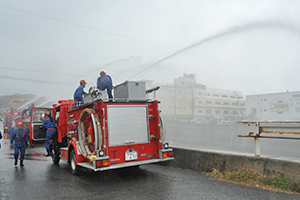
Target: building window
[226,112]
[224,96]
[226,103]
[208,102]
[208,112]
[218,102]
[234,112]
[218,111]
[234,104]
[215,95]
[199,111]
[199,101]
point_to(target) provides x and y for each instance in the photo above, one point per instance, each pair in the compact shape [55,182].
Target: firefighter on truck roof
[49,124]
[20,136]
[104,81]
[79,92]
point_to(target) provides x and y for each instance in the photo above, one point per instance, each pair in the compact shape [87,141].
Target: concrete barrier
[205,161]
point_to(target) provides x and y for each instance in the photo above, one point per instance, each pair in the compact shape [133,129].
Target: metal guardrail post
[270,130]
[257,146]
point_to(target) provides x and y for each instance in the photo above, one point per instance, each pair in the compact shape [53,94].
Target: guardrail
[269,129]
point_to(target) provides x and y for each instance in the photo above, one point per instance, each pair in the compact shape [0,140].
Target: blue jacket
[10,131]
[79,92]
[19,135]
[47,123]
[103,78]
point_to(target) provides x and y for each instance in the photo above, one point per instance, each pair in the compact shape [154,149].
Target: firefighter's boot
[21,163]
[16,160]
[49,152]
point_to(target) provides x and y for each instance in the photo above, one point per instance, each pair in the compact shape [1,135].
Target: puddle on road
[29,156]
[31,153]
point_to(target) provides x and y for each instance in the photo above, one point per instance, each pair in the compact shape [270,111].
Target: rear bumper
[123,165]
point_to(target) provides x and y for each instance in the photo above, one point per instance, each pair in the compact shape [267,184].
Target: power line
[11,89]
[28,79]
[38,71]
[84,26]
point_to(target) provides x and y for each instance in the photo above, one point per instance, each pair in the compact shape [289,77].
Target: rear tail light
[168,153]
[165,154]
[105,163]
[99,163]
[102,163]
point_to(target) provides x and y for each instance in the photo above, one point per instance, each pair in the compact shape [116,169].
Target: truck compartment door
[37,118]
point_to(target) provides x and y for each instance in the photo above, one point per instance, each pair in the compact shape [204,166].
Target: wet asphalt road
[41,179]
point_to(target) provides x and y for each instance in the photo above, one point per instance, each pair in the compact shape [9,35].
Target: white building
[275,106]
[187,99]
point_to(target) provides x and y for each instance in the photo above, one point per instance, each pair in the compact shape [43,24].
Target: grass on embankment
[247,177]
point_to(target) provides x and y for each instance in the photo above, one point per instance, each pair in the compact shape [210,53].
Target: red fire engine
[102,135]
[7,123]
[33,123]
[9,120]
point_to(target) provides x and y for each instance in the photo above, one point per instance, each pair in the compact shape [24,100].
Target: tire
[55,156]
[54,147]
[73,164]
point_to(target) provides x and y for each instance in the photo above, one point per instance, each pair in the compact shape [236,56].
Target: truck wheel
[55,156]
[73,164]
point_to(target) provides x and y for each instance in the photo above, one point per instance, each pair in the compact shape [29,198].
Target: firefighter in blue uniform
[12,128]
[79,92]
[104,81]
[24,113]
[20,136]
[49,124]
[30,108]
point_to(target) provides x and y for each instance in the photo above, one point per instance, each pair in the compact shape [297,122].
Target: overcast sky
[47,47]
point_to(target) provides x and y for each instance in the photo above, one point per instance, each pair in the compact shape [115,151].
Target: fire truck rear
[102,135]
[33,122]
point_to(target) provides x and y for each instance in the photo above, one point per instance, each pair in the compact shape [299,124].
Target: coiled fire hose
[84,147]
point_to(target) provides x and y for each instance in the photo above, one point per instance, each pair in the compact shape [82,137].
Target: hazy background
[46,47]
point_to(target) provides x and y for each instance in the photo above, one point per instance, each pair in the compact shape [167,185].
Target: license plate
[131,155]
